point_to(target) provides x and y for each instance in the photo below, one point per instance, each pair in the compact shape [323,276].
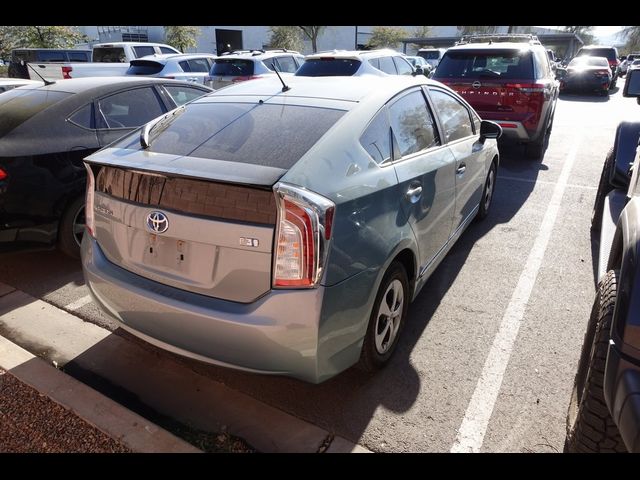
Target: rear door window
[181,94]
[376,138]
[130,108]
[387,65]
[198,65]
[287,64]
[83,117]
[167,50]
[403,66]
[143,51]
[412,124]
[454,116]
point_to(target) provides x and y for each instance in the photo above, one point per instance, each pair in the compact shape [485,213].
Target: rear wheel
[590,427]
[387,318]
[487,193]
[71,228]
[604,187]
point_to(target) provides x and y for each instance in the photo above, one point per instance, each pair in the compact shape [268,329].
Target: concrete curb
[203,403]
[132,430]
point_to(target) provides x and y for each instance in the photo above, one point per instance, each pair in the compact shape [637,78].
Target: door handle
[461,169]
[414,194]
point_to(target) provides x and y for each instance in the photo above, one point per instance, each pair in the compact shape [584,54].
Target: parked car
[190,67]
[511,83]
[242,65]
[432,55]
[610,53]
[381,62]
[45,133]
[292,242]
[107,60]
[7,84]
[587,73]
[604,413]
[20,57]
[419,62]
[626,61]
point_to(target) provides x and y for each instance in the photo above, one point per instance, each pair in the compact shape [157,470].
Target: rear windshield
[430,55]
[608,53]
[109,55]
[264,134]
[589,61]
[232,67]
[18,105]
[499,64]
[144,67]
[328,67]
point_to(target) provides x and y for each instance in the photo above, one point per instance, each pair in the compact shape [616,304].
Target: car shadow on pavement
[574,97]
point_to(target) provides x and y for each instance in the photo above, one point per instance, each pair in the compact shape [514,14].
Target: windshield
[501,64]
[235,67]
[20,104]
[589,62]
[328,67]
[430,54]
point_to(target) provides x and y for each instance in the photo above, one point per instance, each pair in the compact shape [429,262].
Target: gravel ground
[33,423]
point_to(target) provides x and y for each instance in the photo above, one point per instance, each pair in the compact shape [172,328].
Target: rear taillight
[302,237]
[527,87]
[508,125]
[88,208]
[66,72]
[3,174]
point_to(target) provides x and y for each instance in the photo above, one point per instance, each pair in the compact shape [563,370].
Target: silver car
[190,67]
[285,229]
[380,62]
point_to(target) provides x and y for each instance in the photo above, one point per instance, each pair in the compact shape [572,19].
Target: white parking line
[81,302]
[546,182]
[476,419]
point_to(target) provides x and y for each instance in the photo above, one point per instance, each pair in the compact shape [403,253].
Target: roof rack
[499,37]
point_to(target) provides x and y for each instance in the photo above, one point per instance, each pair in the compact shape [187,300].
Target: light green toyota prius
[284,229]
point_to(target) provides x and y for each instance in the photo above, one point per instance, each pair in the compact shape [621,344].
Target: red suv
[511,83]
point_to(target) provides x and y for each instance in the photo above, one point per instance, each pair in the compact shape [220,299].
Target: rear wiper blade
[158,125]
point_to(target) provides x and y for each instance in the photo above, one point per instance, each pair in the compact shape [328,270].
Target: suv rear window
[265,134]
[608,53]
[144,67]
[328,67]
[499,64]
[232,66]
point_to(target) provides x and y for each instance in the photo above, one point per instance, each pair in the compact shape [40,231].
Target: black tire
[535,150]
[69,234]
[604,187]
[371,359]
[590,428]
[612,85]
[487,192]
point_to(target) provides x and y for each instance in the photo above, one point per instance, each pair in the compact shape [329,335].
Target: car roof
[345,89]
[99,84]
[497,46]
[164,57]
[353,54]
[257,54]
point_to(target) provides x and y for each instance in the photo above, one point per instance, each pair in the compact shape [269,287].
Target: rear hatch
[196,209]
[226,71]
[499,84]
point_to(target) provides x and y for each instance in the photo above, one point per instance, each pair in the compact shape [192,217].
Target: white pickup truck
[108,60]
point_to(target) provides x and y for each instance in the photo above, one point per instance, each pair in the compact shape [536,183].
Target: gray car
[284,230]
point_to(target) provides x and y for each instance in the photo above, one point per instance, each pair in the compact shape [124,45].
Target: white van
[432,55]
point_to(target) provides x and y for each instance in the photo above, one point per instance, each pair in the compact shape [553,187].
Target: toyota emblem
[157,222]
[476,84]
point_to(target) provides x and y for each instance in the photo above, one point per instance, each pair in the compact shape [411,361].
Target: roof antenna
[46,82]
[285,87]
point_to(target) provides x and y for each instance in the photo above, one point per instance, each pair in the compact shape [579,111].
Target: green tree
[181,37]
[38,37]
[583,32]
[421,32]
[287,36]
[386,37]
[469,30]
[312,34]
[632,34]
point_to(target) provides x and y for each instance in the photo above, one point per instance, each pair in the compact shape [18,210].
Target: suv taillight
[66,72]
[527,87]
[88,208]
[3,174]
[302,237]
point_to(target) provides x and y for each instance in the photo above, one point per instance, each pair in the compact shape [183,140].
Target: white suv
[241,65]
[343,63]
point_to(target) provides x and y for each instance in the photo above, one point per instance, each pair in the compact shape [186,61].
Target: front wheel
[604,187]
[387,318]
[590,427]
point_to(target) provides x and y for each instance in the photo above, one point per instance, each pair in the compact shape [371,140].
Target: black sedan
[587,74]
[46,131]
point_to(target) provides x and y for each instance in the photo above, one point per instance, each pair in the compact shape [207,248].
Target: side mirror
[632,85]
[418,71]
[560,73]
[489,130]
